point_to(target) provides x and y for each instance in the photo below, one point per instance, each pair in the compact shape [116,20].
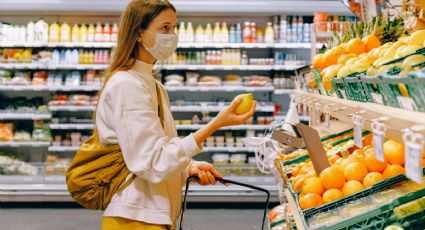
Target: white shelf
[52,67]
[220,88]
[63,148]
[239,127]
[227,149]
[25,116]
[233,67]
[72,108]
[72,126]
[24,144]
[48,88]
[283,91]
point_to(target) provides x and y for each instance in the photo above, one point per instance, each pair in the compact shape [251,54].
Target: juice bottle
[75,34]
[269,33]
[199,34]
[260,36]
[282,31]
[65,32]
[90,57]
[90,33]
[41,29]
[81,57]
[83,33]
[96,57]
[217,33]
[232,34]
[54,32]
[98,34]
[253,32]
[224,33]
[114,32]
[30,31]
[55,57]
[182,32]
[190,34]
[208,34]
[247,33]
[107,33]
[75,58]
[239,37]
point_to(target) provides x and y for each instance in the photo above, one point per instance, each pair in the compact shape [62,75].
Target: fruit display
[22,105]
[11,166]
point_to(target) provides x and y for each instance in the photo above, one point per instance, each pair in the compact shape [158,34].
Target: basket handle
[224,181]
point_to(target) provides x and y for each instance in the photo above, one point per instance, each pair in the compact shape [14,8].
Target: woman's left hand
[205,171]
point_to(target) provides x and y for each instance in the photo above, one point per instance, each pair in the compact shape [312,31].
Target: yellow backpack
[97,172]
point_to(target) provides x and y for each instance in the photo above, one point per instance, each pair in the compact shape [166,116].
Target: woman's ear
[140,36]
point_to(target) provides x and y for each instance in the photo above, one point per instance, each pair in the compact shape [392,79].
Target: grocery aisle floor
[81,219]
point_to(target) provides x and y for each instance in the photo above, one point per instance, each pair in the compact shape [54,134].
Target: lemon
[417,38]
[246,104]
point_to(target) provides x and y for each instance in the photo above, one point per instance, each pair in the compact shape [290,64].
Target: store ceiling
[187,7]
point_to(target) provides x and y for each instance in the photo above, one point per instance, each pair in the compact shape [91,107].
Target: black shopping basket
[224,181]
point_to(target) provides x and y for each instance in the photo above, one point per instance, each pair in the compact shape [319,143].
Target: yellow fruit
[405,39]
[399,51]
[413,60]
[393,170]
[332,177]
[331,57]
[355,171]
[351,187]
[403,89]
[390,53]
[344,71]
[386,45]
[352,60]
[319,61]
[246,104]
[410,49]
[313,185]
[372,163]
[356,46]
[339,50]
[372,178]
[363,61]
[394,152]
[327,82]
[310,200]
[331,195]
[371,42]
[417,38]
[345,57]
[371,71]
[359,68]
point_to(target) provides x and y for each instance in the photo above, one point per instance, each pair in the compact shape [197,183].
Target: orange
[310,200]
[332,177]
[295,171]
[393,170]
[372,178]
[334,158]
[351,187]
[358,152]
[325,70]
[356,46]
[339,50]
[327,82]
[423,162]
[331,195]
[367,140]
[371,42]
[331,57]
[394,152]
[313,185]
[355,171]
[344,163]
[297,186]
[373,164]
[345,57]
[357,158]
[319,61]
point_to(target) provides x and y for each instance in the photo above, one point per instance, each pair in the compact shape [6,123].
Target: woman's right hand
[228,116]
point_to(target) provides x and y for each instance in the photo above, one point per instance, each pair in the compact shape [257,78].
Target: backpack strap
[160,105]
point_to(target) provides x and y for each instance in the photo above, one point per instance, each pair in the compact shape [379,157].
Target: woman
[134,111]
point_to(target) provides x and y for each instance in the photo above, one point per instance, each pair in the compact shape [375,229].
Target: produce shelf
[34,144]
[25,116]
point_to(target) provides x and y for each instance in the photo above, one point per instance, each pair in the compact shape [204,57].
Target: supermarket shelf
[48,88]
[51,67]
[239,127]
[398,119]
[63,148]
[234,67]
[220,88]
[227,149]
[25,116]
[180,45]
[173,108]
[53,188]
[292,205]
[283,91]
[24,144]
[72,126]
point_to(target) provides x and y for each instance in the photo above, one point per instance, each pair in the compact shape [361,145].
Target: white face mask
[164,46]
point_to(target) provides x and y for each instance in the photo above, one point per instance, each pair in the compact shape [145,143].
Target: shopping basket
[224,181]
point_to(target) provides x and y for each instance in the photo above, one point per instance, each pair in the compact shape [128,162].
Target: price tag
[378,130]
[304,107]
[310,111]
[327,118]
[377,98]
[406,103]
[358,125]
[413,149]
[318,114]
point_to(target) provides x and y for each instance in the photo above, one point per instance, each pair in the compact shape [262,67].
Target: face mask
[164,47]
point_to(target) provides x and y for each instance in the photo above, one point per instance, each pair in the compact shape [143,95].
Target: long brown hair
[136,17]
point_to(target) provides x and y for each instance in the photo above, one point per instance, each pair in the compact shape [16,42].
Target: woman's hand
[228,116]
[205,172]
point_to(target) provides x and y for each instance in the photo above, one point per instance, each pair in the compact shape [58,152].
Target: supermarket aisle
[72,219]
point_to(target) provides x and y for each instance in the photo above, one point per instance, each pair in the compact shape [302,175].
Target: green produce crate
[391,91]
[339,88]
[417,88]
[318,79]
[354,88]
[370,86]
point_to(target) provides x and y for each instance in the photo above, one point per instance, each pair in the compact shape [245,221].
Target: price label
[406,103]
[413,149]
[318,114]
[378,130]
[377,98]
[327,118]
[358,125]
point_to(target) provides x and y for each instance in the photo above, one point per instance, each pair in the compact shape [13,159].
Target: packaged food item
[30,32]
[221,161]
[22,136]
[41,31]
[252,163]
[237,161]
[83,33]
[6,132]
[324,219]
[107,32]
[91,33]
[269,33]
[98,34]
[192,78]
[65,35]
[75,34]
[217,33]
[114,32]
[13,166]
[208,38]
[199,34]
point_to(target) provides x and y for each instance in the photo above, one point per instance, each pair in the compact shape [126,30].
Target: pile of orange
[346,176]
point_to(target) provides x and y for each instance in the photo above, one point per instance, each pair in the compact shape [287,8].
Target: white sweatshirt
[128,114]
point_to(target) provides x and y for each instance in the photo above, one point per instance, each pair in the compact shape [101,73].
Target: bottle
[54,32]
[55,57]
[107,33]
[114,32]
[98,34]
[199,34]
[81,57]
[282,30]
[90,57]
[30,32]
[22,33]
[75,57]
[253,33]
[62,57]
[300,29]
[269,33]
[217,33]
[190,33]
[239,37]
[75,34]
[208,38]
[41,29]
[244,58]
[260,36]
[90,33]
[247,33]
[68,57]
[83,33]
[224,33]
[65,35]
[276,28]
[182,32]
[96,57]
[232,34]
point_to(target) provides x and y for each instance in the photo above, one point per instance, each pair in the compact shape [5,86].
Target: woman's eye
[165,29]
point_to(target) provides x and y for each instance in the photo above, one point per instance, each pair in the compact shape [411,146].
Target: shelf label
[327,118]
[406,103]
[318,114]
[378,130]
[358,125]
[413,149]
[377,98]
